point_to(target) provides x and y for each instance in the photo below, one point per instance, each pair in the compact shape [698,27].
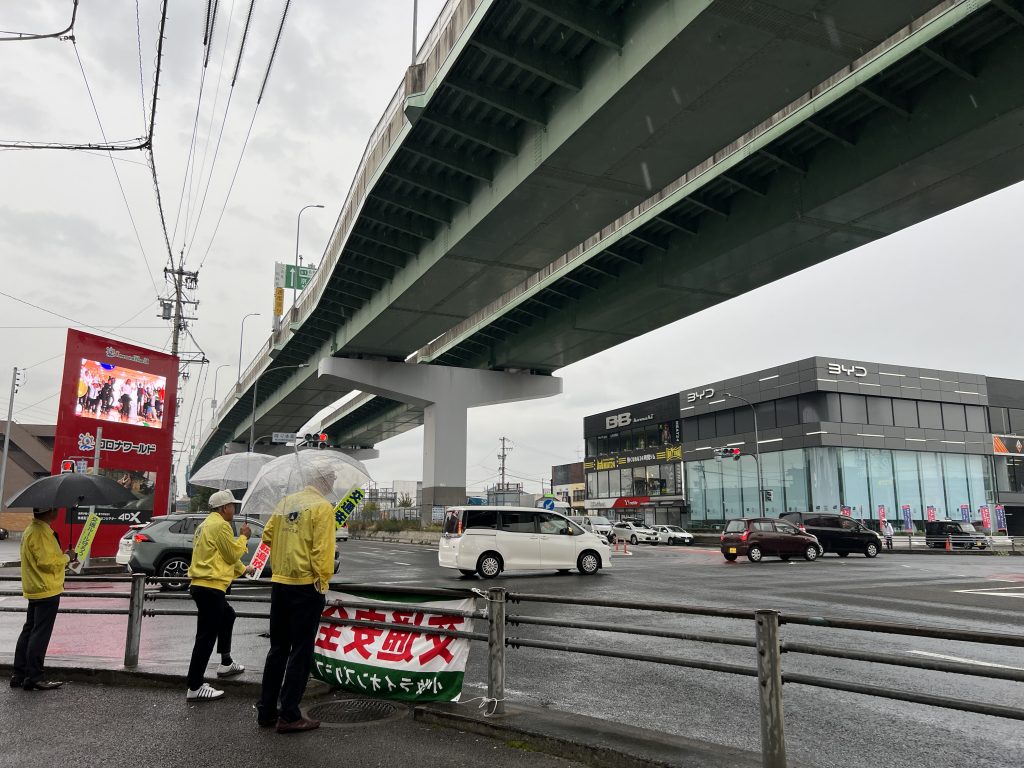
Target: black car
[837,533]
[959,535]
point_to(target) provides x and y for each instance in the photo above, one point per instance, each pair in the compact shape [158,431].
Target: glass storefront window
[712,473]
[908,483]
[855,481]
[954,466]
[732,494]
[824,469]
[626,482]
[771,477]
[614,486]
[933,492]
[591,446]
[979,481]
[883,484]
[592,485]
[602,445]
[796,477]
[695,491]
[602,485]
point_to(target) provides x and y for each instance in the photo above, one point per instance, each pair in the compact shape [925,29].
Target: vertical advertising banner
[986,517]
[128,392]
[965,513]
[931,512]
[881,514]
[1000,517]
[908,521]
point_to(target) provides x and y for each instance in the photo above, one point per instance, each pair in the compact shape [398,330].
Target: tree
[405,501]
[200,500]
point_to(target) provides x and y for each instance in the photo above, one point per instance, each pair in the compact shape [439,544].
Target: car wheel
[489,565]
[730,558]
[464,572]
[843,554]
[173,567]
[589,563]
[871,550]
[811,552]
[754,554]
[632,540]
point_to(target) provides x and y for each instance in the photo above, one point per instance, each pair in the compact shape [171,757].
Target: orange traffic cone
[949,544]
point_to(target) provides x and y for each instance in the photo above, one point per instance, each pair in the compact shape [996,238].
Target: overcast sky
[939,295]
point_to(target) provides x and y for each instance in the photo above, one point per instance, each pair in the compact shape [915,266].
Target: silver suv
[163,547]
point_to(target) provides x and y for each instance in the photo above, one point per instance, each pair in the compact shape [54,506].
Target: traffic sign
[290,276]
[283,437]
[548,504]
[278,301]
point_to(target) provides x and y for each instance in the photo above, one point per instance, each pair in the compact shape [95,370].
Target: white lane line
[944,657]
[398,563]
[994,591]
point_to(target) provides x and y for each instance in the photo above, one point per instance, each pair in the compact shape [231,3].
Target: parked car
[837,533]
[961,535]
[759,537]
[489,540]
[673,534]
[3,534]
[163,547]
[634,532]
[341,534]
[602,526]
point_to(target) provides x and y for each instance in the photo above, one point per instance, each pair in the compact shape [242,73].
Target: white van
[489,540]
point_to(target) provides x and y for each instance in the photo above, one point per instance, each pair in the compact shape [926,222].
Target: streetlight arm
[757,450]
[241,335]
[255,388]
[298,225]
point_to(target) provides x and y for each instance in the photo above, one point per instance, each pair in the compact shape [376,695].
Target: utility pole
[506,447]
[15,383]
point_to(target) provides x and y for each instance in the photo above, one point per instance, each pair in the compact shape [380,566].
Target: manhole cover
[354,711]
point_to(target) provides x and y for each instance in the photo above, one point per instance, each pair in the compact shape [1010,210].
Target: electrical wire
[142,84]
[142,248]
[23,36]
[71,319]
[152,131]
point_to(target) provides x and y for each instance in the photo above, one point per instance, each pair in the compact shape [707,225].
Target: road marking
[398,563]
[944,657]
[994,592]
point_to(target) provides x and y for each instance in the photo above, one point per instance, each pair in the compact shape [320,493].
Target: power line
[142,84]
[124,197]
[152,131]
[70,319]
[23,36]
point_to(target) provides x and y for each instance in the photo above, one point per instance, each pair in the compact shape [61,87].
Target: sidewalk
[150,703]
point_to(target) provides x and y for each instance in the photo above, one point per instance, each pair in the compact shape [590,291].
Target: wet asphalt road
[824,728]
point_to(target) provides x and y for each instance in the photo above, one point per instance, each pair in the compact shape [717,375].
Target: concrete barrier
[425,538]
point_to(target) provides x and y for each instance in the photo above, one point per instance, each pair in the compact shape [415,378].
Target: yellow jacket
[216,554]
[300,535]
[42,562]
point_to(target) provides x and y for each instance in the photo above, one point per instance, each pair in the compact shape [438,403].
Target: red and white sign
[986,518]
[846,511]
[881,513]
[931,512]
[626,502]
[130,393]
[259,561]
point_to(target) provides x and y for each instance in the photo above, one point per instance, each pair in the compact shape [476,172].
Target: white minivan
[489,540]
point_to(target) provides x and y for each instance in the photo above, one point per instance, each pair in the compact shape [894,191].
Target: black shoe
[42,685]
[265,720]
[16,682]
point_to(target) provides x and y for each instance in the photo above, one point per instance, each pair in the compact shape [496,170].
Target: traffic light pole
[757,452]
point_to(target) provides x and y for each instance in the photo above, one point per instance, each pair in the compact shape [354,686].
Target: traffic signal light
[319,439]
[769,494]
[66,466]
[728,453]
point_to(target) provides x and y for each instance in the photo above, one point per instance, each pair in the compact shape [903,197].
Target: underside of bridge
[548,121]
[938,127]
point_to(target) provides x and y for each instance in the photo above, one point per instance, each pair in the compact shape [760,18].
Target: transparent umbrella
[231,471]
[332,473]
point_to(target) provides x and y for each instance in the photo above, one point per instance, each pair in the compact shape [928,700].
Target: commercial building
[568,484]
[846,436]
[29,456]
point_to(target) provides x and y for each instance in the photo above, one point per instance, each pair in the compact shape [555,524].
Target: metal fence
[766,639]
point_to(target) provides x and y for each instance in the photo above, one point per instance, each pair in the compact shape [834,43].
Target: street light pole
[298,224]
[241,335]
[15,377]
[213,400]
[255,389]
[757,451]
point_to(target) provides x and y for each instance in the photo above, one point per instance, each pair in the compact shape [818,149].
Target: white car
[489,540]
[634,533]
[602,526]
[341,534]
[673,534]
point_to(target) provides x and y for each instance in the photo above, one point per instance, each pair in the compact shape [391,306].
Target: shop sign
[839,369]
[700,394]
[931,513]
[908,523]
[986,517]
[630,502]
[965,513]
[1007,445]
[1000,517]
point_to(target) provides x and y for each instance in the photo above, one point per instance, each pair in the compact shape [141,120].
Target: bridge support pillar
[445,394]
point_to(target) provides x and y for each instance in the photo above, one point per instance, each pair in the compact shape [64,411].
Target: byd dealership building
[845,436]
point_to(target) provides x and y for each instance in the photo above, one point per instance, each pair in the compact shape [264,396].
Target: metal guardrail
[767,641]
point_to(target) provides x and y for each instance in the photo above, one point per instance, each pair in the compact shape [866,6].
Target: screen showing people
[111,393]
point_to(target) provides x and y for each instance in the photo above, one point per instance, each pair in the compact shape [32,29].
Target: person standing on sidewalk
[300,535]
[216,562]
[887,532]
[42,580]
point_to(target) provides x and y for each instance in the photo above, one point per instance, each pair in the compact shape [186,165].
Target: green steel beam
[376,252]
[451,190]
[1009,10]
[394,240]
[565,74]
[886,98]
[950,59]
[435,210]
[843,135]
[456,161]
[513,104]
[786,160]
[405,224]
[489,136]
[385,272]
[589,22]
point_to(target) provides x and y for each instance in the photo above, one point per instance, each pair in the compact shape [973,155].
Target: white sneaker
[204,692]
[230,670]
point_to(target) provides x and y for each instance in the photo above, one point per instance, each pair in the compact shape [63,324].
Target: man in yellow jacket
[300,535]
[216,562]
[42,581]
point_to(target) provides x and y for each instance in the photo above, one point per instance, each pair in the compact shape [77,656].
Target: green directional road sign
[290,276]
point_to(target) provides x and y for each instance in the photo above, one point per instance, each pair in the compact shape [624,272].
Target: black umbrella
[71,490]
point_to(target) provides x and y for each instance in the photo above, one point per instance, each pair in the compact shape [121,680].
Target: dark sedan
[760,537]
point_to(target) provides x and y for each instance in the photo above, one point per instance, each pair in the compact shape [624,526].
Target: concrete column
[445,394]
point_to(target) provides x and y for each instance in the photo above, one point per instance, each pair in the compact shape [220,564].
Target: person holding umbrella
[42,579]
[300,535]
[216,562]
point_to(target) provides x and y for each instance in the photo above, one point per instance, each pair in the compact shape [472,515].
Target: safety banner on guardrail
[408,665]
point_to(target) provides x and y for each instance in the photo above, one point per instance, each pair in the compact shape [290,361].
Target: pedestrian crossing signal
[67,466]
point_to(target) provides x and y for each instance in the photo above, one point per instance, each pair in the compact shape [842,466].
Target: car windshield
[967,528]
[673,528]
[600,521]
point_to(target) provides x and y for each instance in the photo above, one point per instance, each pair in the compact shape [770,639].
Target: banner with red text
[405,664]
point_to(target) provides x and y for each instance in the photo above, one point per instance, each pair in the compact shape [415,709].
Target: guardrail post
[496,649]
[134,635]
[769,685]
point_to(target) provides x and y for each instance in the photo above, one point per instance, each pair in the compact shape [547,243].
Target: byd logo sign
[838,369]
[702,394]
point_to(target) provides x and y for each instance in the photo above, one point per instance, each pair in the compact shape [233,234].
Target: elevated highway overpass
[528,126]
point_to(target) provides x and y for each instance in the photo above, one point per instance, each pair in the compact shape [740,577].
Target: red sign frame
[132,442]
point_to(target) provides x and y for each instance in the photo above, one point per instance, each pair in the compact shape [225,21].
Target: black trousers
[30,651]
[214,625]
[294,617]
